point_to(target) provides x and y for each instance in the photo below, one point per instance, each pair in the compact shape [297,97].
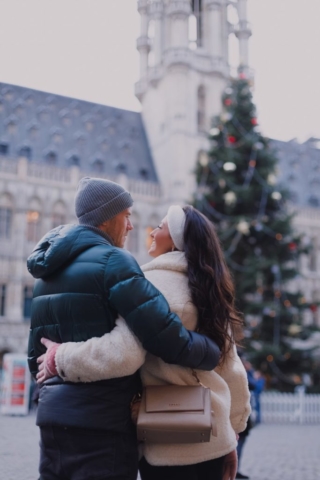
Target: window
[3,291]
[148,238]
[132,243]
[197,34]
[5,222]
[313,255]
[25,152]
[51,158]
[201,109]
[4,149]
[144,173]
[33,225]
[5,216]
[98,166]
[27,301]
[58,214]
[74,160]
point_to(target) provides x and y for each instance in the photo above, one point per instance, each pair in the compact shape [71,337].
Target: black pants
[83,454]
[210,470]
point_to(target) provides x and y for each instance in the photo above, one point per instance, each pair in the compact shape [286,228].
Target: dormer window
[26,152]
[51,158]
[121,168]
[74,161]
[144,173]
[4,148]
[98,166]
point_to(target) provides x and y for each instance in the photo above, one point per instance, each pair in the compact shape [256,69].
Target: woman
[190,271]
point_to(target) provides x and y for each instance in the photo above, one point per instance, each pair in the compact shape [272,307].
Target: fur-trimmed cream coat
[119,353]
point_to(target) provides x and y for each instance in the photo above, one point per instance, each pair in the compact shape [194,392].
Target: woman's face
[161,240]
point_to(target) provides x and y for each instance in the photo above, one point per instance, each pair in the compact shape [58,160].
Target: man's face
[118,227]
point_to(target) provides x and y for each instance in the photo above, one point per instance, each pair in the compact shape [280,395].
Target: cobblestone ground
[272,452]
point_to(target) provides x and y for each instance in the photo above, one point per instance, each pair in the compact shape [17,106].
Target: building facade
[49,142]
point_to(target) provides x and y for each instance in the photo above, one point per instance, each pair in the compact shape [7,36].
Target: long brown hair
[210,282]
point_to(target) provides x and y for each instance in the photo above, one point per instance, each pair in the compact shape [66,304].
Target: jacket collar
[175,261]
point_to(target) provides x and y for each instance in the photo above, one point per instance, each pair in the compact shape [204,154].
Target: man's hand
[230,466]
[47,366]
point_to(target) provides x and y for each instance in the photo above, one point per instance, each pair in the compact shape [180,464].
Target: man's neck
[99,232]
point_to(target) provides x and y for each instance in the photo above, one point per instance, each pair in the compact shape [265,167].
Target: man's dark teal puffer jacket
[83,284]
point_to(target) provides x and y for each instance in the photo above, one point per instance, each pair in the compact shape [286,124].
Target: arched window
[6,209]
[74,160]
[153,222]
[4,148]
[151,35]
[59,214]
[196,23]
[27,301]
[313,254]
[26,152]
[3,296]
[51,158]
[33,232]
[98,166]
[132,243]
[201,110]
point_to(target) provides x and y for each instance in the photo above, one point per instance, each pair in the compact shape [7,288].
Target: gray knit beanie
[98,200]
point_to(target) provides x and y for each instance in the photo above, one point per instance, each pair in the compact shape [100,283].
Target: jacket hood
[60,246]
[175,261]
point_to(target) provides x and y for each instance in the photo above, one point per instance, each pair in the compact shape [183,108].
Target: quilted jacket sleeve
[148,315]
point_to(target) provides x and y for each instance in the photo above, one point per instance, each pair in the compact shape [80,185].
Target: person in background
[256,384]
[190,271]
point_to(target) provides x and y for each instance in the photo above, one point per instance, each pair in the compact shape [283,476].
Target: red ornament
[292,246]
[242,76]
[313,308]
[232,139]
[212,203]
[254,121]
[228,102]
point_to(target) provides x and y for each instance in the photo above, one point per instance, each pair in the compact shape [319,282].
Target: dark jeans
[210,470]
[83,454]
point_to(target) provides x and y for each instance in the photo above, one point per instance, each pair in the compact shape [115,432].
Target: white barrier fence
[299,408]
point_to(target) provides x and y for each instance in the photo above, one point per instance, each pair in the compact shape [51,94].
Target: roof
[63,131]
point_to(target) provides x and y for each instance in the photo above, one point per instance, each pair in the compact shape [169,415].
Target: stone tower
[184,67]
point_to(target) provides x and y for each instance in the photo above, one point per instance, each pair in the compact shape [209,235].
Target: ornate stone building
[48,142]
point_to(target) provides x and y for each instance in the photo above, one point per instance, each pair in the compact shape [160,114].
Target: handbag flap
[174,398]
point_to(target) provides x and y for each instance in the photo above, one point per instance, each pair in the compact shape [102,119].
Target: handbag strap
[195,375]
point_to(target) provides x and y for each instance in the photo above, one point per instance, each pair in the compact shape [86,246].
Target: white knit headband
[176,220]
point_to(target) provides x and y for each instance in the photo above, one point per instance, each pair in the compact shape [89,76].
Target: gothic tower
[184,67]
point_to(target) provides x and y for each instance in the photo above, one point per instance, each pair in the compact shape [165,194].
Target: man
[85,280]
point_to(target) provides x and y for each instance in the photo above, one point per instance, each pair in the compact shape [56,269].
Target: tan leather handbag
[176,414]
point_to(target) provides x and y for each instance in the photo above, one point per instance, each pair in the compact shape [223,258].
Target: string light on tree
[230,198]
[276,195]
[229,167]
[243,227]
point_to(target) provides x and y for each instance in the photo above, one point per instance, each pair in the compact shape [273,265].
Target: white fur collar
[169,261]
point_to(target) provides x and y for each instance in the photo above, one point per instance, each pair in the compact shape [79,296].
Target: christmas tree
[239,192]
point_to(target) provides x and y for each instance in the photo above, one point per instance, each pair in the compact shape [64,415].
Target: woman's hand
[47,366]
[230,466]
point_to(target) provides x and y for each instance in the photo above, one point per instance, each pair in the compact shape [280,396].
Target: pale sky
[87,49]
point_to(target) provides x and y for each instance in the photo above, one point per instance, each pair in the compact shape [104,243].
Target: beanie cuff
[107,211]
